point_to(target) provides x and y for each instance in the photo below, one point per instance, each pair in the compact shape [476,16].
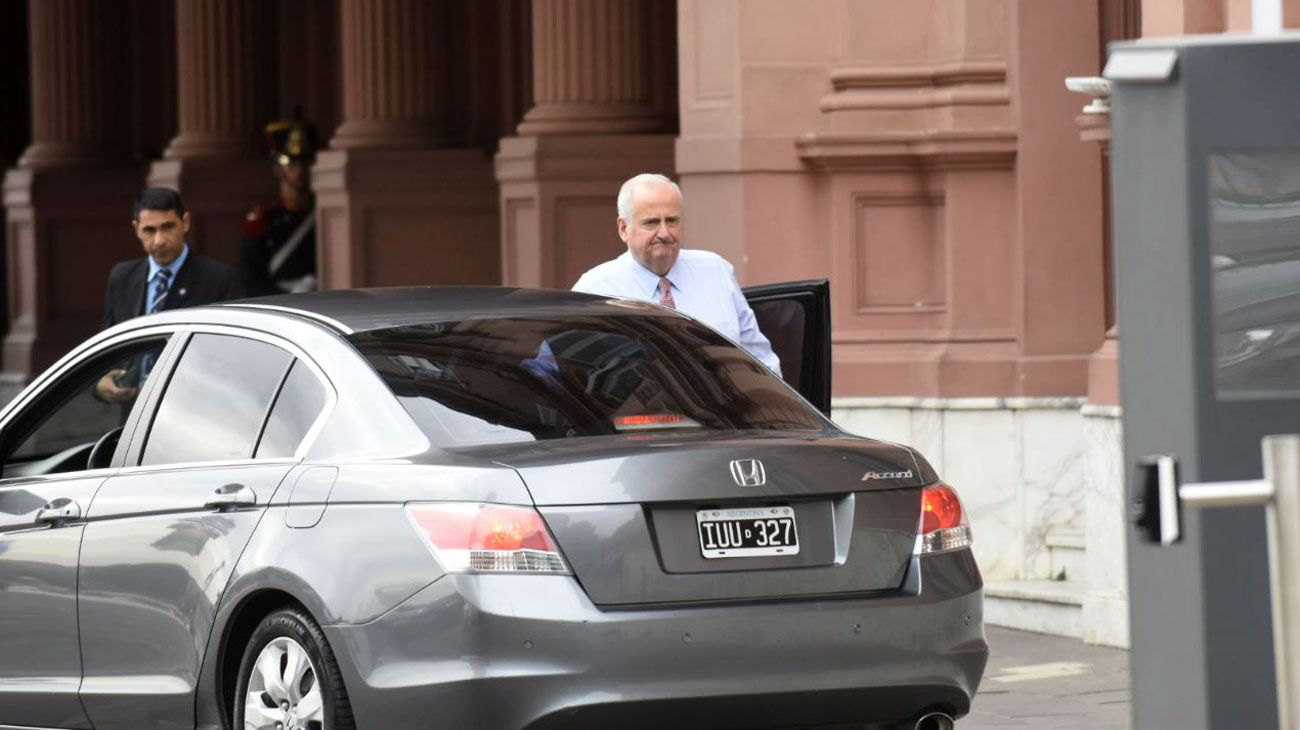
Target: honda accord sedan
[479,508]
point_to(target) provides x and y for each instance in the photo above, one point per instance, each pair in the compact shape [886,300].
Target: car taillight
[487,538]
[943,521]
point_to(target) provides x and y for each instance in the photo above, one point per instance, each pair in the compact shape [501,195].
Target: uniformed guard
[279,237]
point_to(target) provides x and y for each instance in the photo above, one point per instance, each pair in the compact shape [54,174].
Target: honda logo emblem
[748,472]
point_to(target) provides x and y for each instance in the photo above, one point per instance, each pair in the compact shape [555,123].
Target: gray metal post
[1280,492]
[1282,468]
[1205,151]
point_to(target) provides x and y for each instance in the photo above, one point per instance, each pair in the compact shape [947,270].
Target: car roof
[362,310]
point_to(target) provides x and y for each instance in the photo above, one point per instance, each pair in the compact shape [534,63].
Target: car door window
[783,322]
[796,318]
[59,430]
[216,401]
[296,407]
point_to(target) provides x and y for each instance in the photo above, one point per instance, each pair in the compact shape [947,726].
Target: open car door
[796,317]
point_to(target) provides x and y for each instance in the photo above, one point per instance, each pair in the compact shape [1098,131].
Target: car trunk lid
[627,513]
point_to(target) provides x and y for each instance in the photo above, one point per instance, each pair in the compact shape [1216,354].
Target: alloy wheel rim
[284,690]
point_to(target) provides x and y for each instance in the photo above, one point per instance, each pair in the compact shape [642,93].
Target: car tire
[288,675]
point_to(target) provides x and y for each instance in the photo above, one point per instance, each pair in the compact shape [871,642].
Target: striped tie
[162,284]
[666,293]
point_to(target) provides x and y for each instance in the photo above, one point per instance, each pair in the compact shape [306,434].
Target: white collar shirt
[703,286]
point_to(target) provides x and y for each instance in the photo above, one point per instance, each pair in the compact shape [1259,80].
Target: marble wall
[1018,464]
[1026,468]
[1105,606]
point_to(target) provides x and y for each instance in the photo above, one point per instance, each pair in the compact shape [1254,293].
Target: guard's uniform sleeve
[751,338]
[255,258]
[255,222]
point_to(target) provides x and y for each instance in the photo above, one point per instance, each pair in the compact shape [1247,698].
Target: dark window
[487,380]
[1254,213]
[783,322]
[296,408]
[56,432]
[216,400]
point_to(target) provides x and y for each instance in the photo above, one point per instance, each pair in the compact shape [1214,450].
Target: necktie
[161,285]
[666,293]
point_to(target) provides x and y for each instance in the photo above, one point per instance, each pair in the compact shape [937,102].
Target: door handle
[57,511]
[231,497]
[1159,496]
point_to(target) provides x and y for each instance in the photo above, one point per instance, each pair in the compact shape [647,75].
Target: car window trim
[222,464]
[74,359]
[67,364]
[149,397]
[297,353]
[106,471]
[270,406]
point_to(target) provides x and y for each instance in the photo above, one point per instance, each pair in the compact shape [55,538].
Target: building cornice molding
[936,74]
[953,84]
[945,114]
[943,149]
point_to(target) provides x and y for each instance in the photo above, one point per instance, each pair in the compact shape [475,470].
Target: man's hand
[108,389]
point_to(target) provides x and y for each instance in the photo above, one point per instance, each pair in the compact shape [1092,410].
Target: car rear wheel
[288,679]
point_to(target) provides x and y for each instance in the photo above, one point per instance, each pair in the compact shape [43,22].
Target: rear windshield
[499,380]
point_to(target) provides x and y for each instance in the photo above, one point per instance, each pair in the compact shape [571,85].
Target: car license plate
[747,532]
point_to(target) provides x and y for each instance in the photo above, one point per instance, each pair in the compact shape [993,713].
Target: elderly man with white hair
[655,267]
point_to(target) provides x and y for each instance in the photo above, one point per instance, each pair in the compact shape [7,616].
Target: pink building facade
[925,156]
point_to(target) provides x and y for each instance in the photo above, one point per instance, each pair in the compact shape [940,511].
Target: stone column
[1059,195]
[224,82]
[67,204]
[390,97]
[395,203]
[590,68]
[596,121]
[225,96]
[74,117]
[1120,20]
[1103,365]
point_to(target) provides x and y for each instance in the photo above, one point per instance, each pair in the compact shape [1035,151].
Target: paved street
[1047,681]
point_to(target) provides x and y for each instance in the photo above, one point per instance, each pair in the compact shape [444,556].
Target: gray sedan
[478,508]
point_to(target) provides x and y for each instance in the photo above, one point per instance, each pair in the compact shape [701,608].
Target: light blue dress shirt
[704,287]
[154,268]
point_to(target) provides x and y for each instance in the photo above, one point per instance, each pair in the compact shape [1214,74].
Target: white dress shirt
[704,287]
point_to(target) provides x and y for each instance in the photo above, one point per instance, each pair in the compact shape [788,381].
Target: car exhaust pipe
[934,721]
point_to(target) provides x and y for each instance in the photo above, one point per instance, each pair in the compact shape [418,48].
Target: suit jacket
[199,281]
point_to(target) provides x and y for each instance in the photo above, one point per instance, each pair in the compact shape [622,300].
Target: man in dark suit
[171,276]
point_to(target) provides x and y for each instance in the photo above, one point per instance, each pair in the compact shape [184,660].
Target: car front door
[166,531]
[796,317]
[52,468]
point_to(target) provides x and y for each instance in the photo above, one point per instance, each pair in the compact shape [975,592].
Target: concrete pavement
[1034,680]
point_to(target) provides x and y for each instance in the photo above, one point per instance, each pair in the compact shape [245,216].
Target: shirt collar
[172,268]
[648,279]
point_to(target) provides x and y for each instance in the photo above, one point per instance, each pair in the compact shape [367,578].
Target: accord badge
[887,475]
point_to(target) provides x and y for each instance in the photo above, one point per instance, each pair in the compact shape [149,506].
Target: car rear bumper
[513,651]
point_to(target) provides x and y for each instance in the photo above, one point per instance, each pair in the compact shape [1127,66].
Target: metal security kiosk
[1205,157]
